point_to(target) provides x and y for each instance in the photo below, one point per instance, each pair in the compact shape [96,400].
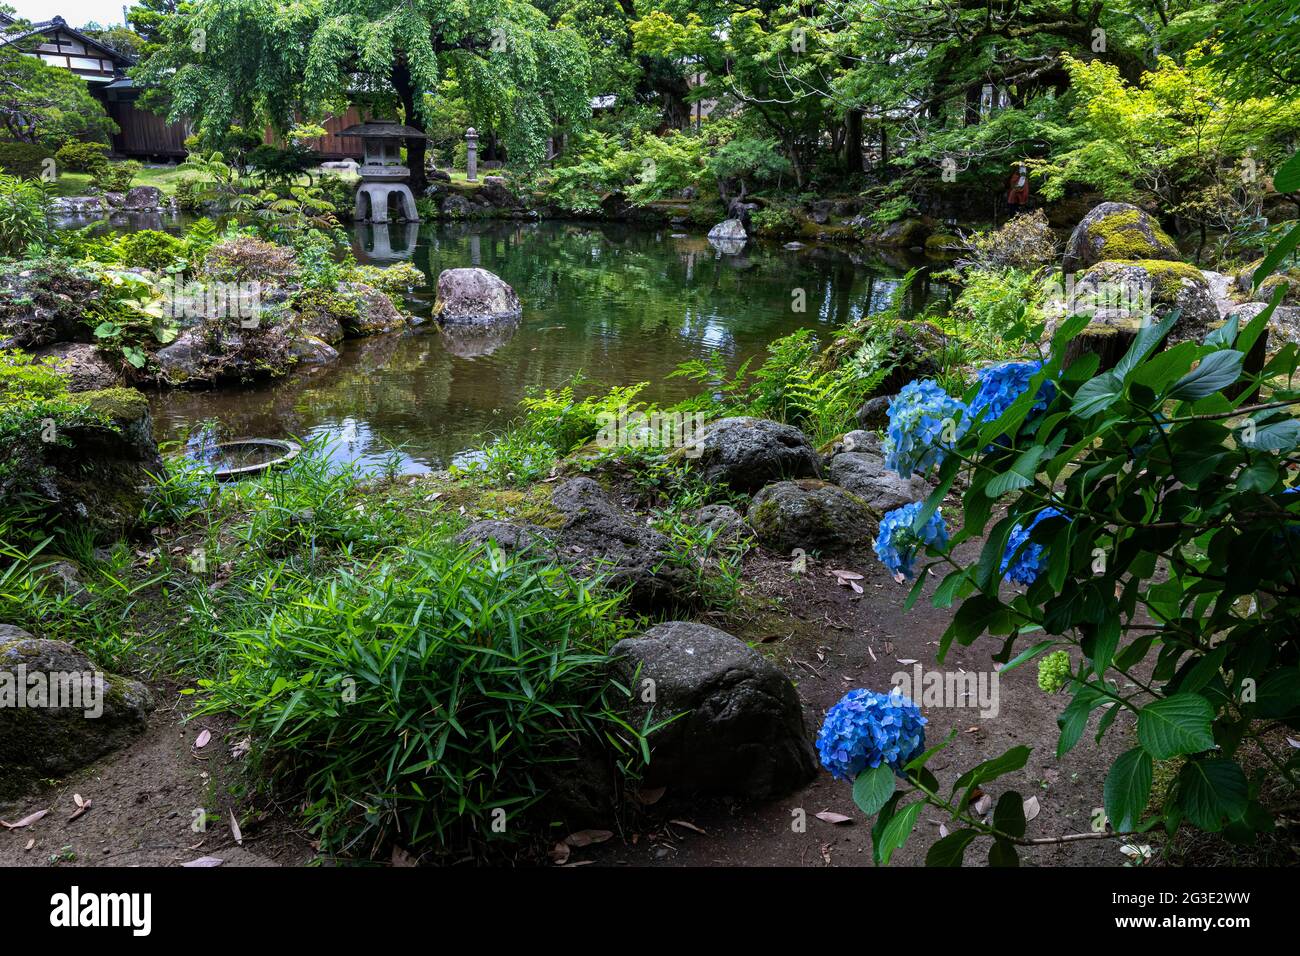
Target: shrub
[150,249]
[189,194]
[79,157]
[1024,242]
[24,160]
[115,177]
[22,215]
[242,258]
[35,411]
[414,696]
[394,281]
[1151,519]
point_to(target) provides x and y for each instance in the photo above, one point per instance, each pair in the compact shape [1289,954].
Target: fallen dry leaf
[829,816]
[1031,808]
[234,829]
[983,804]
[30,843]
[560,853]
[906,660]
[76,798]
[25,821]
[587,837]
[205,861]
[688,825]
[82,807]
[202,740]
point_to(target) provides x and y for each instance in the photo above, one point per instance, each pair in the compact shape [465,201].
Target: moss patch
[117,404]
[1129,235]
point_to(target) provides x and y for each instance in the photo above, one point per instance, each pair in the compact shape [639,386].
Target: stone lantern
[471,154]
[382,173]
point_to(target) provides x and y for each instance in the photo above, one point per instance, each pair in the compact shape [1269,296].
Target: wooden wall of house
[332,146]
[143,134]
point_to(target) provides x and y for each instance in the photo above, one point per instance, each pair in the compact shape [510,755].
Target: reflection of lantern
[382,174]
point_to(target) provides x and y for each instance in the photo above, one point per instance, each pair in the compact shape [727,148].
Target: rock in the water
[747,453]
[874,412]
[730,230]
[903,234]
[77,206]
[496,192]
[1116,230]
[374,313]
[205,355]
[82,364]
[143,197]
[310,350]
[456,207]
[741,731]
[599,537]
[475,296]
[1120,293]
[864,474]
[812,515]
[793,246]
[97,712]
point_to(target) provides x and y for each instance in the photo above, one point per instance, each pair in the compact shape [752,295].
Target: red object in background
[1018,188]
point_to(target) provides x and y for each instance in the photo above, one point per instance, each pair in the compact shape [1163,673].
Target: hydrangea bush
[866,730]
[1164,601]
[923,421]
[898,541]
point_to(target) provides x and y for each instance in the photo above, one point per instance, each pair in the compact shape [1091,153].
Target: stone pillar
[471,154]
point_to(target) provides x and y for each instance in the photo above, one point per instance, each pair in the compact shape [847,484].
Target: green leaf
[1211,789]
[1014,759]
[1287,177]
[1097,395]
[1276,255]
[897,830]
[1127,789]
[873,788]
[1026,655]
[1216,372]
[1009,814]
[1176,725]
[1148,337]
[950,850]
[1003,853]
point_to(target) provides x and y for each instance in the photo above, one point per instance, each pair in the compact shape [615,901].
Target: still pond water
[618,304]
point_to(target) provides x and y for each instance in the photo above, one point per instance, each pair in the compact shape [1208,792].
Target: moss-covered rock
[1116,231]
[96,712]
[1119,293]
[813,515]
[43,302]
[100,473]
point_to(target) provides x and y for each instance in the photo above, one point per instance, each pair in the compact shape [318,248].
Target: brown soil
[831,640]
[144,801]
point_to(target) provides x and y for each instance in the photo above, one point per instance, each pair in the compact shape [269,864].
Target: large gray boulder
[864,474]
[96,712]
[599,537]
[1116,230]
[1283,324]
[82,364]
[812,515]
[375,312]
[143,197]
[741,731]
[1121,293]
[747,453]
[732,230]
[507,536]
[475,296]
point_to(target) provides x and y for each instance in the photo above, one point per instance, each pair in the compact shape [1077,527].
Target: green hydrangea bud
[1054,671]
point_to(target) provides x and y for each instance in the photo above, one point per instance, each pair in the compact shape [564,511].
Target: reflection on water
[619,304]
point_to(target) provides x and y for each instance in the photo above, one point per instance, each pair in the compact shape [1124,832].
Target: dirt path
[834,641]
[144,801]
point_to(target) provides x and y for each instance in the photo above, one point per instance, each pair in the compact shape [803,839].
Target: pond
[618,304]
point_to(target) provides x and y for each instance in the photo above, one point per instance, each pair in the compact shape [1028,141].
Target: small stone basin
[246,457]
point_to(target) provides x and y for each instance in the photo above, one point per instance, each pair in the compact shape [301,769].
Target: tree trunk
[853,143]
[415,148]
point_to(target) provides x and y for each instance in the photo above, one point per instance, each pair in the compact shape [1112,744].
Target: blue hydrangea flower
[897,544]
[866,729]
[917,416]
[1025,567]
[1000,385]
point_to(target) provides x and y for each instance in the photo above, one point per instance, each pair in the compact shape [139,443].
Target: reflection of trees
[621,304]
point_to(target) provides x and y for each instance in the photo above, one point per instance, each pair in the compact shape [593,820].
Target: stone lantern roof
[382,129]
